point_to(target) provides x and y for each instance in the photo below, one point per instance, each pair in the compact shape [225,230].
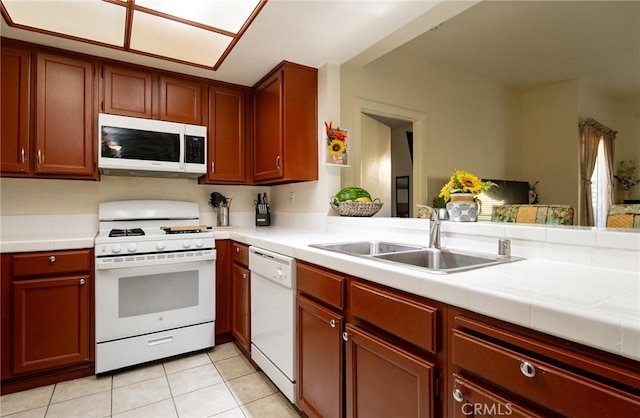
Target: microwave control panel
[194,149]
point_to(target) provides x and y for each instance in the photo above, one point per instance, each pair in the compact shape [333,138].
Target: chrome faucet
[434,228]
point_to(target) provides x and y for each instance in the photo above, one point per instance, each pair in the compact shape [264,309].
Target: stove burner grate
[134,232]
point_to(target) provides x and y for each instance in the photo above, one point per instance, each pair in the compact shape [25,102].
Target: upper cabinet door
[14,70]
[180,100]
[64,116]
[127,92]
[268,162]
[226,129]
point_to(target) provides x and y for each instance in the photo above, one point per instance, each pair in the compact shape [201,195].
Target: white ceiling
[309,32]
[521,43]
[530,43]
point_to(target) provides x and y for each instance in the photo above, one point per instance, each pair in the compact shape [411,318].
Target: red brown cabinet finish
[181,100]
[241,296]
[128,92]
[15,71]
[227,135]
[64,116]
[47,318]
[285,146]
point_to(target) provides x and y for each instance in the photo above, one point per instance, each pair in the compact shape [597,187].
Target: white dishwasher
[273,320]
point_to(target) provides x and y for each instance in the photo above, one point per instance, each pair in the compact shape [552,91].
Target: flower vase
[462,207]
[340,159]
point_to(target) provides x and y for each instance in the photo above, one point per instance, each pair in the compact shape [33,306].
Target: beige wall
[550,142]
[376,175]
[472,123]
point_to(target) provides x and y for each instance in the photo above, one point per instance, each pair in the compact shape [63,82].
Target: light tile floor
[217,383]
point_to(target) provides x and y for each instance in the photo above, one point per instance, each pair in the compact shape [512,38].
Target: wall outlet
[292,198]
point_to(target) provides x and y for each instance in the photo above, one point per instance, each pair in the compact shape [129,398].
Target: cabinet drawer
[54,262]
[472,400]
[400,316]
[545,384]
[323,285]
[240,254]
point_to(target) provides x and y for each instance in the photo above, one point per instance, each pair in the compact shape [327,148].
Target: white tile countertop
[581,285]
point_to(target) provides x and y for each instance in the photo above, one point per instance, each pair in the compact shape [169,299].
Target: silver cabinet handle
[52,259]
[245,275]
[332,323]
[22,160]
[278,162]
[345,336]
[527,369]
[238,249]
[81,281]
[457,395]
[213,167]
[40,157]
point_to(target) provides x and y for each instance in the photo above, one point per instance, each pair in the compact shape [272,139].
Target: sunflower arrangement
[336,139]
[464,182]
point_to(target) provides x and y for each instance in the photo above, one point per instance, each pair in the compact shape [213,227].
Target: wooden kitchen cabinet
[285,145]
[320,349]
[223,290]
[384,380]
[241,296]
[47,318]
[227,136]
[128,91]
[502,366]
[181,100]
[15,70]
[65,143]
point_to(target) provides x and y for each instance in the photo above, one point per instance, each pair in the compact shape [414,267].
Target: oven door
[139,300]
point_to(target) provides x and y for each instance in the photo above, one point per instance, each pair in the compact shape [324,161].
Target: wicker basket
[356,208]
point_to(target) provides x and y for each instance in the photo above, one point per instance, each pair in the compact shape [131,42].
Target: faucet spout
[434,228]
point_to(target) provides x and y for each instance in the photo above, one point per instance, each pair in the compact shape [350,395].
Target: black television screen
[508,192]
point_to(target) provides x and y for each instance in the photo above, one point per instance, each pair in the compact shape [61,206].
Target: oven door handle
[158,341]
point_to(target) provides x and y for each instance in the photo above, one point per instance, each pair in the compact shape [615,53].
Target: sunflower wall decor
[337,145]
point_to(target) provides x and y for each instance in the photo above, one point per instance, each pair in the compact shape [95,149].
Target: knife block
[263,219]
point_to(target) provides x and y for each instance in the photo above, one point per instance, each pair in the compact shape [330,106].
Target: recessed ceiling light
[194,32]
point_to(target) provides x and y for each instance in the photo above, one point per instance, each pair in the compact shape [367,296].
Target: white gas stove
[155,282]
[143,232]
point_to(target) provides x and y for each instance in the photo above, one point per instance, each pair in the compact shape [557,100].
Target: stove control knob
[198,243]
[116,248]
[160,245]
[132,247]
[186,243]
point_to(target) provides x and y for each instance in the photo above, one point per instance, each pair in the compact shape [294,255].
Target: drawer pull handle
[158,341]
[245,275]
[457,395]
[22,158]
[81,281]
[332,323]
[345,336]
[278,162]
[238,249]
[527,369]
[52,259]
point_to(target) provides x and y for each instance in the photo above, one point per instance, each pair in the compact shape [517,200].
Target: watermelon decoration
[353,194]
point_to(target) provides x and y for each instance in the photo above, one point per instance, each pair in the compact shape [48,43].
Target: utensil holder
[223,216]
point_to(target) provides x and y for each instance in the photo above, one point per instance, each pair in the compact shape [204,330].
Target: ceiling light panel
[167,38]
[228,15]
[95,20]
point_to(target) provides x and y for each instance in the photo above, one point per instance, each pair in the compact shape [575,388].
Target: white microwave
[136,146]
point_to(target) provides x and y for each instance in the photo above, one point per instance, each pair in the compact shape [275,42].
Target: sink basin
[367,247]
[432,260]
[444,261]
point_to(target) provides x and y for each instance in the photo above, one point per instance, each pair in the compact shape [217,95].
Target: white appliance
[136,146]
[155,289]
[273,320]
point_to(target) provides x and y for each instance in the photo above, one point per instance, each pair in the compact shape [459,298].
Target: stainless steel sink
[414,256]
[444,261]
[367,247]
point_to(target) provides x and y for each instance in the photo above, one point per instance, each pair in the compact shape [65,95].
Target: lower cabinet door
[384,380]
[473,400]
[51,318]
[241,306]
[320,385]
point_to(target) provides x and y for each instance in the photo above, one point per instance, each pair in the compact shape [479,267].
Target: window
[600,188]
